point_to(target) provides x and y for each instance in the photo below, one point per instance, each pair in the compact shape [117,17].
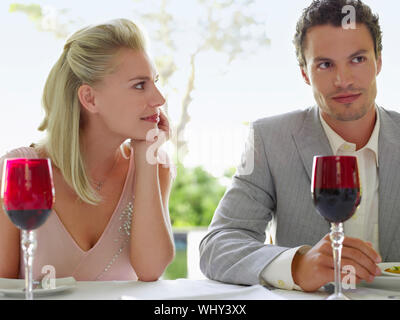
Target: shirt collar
[338,143]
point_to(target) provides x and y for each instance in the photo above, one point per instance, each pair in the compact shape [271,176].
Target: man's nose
[343,78]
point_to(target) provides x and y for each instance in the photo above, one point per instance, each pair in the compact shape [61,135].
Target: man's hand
[315,268]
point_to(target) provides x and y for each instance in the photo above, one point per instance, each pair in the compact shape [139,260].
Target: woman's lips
[347,99]
[155,118]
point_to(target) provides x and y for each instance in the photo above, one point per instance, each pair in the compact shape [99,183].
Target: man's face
[341,69]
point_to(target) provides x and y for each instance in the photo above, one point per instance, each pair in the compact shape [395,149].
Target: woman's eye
[139,86]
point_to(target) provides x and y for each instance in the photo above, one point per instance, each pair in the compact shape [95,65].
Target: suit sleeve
[234,249]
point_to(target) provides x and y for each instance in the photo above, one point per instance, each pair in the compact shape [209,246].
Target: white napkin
[212,290]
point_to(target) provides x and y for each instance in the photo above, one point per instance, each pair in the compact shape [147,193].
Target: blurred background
[222,64]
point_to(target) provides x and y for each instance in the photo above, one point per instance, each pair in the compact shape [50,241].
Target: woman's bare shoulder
[21,152]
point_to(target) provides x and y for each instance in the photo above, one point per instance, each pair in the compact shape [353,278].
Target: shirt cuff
[279,272]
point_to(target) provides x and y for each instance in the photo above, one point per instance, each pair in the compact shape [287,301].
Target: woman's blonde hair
[86,59]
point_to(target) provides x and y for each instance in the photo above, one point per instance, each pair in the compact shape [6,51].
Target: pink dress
[107,260]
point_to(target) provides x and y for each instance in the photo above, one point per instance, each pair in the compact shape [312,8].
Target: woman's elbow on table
[148,278]
[150,275]
[153,273]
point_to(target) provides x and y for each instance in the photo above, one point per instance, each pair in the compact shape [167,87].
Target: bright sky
[261,85]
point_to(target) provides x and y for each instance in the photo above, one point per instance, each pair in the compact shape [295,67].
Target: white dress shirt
[363,224]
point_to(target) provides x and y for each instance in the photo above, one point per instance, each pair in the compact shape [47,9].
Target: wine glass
[27,194]
[335,188]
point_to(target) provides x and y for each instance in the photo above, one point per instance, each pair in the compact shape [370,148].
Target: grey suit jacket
[279,188]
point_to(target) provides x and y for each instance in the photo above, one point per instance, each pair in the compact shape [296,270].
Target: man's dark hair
[322,12]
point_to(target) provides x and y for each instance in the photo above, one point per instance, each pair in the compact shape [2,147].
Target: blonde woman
[110,219]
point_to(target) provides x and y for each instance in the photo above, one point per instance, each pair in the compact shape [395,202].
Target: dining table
[187,289]
[189,299]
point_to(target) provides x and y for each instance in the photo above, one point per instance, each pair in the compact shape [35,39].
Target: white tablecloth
[184,289]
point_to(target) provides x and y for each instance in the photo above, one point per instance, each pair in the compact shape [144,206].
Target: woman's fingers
[163,124]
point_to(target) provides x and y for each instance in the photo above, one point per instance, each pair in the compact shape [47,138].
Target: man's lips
[153,118]
[347,98]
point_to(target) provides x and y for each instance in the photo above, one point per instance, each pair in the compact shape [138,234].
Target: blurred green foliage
[194,196]
[33,11]
[178,268]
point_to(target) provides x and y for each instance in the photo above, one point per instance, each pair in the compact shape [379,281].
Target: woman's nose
[157,99]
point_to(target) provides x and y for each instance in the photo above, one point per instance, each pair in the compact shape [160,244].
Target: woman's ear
[86,97]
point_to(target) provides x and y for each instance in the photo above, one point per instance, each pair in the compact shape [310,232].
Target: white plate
[387,280]
[386,265]
[383,282]
[15,287]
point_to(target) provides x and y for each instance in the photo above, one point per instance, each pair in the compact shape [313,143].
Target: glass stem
[28,244]
[337,237]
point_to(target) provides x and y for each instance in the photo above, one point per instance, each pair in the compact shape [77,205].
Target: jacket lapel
[311,140]
[389,184]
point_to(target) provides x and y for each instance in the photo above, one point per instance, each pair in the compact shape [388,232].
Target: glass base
[339,296]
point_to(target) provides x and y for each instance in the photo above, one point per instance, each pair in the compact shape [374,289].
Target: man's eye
[358,59]
[139,86]
[324,65]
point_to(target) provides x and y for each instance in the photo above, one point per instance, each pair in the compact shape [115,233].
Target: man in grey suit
[341,64]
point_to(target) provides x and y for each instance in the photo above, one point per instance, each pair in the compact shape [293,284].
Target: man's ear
[379,64]
[86,97]
[305,76]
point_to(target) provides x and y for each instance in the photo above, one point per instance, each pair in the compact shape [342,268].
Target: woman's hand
[147,151]
[164,126]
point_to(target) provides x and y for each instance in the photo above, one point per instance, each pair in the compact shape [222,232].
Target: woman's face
[128,100]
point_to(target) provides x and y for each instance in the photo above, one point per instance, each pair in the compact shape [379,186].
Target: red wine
[336,204]
[28,219]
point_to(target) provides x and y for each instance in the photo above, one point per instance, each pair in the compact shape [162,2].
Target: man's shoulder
[390,121]
[286,122]
[394,115]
